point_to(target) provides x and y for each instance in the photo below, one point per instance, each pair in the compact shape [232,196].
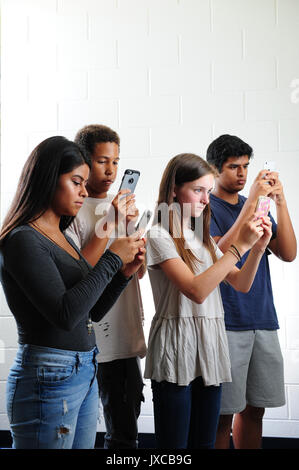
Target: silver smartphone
[144,221]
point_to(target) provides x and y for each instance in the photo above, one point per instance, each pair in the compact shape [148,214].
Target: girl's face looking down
[193,196]
[71,191]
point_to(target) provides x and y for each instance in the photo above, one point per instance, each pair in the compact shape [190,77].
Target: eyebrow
[202,187]
[238,164]
[78,176]
[107,158]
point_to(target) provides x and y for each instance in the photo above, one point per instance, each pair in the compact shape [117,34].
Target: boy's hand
[123,204]
[262,185]
[277,193]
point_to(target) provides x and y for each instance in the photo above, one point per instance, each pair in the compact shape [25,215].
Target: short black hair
[226,146]
[93,134]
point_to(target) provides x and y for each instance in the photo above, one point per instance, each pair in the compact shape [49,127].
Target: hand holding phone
[270,166]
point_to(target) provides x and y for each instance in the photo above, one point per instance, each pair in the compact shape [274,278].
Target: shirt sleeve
[109,296]
[39,278]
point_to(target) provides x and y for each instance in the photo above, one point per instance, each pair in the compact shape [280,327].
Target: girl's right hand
[250,232]
[127,247]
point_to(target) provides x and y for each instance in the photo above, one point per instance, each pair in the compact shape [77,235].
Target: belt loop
[24,352]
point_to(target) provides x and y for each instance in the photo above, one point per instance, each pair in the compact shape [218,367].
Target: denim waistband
[28,353]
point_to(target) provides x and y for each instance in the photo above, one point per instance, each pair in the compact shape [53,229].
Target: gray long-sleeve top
[51,294]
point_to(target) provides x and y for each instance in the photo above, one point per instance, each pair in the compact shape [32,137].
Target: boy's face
[104,161]
[233,174]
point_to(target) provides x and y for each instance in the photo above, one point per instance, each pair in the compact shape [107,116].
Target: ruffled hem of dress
[181,349]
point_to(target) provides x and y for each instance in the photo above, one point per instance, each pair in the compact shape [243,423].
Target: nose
[205,197]
[241,171]
[83,191]
[109,169]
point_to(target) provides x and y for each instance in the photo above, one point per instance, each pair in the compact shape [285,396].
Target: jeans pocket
[53,375]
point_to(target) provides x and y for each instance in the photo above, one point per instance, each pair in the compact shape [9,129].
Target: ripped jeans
[52,398]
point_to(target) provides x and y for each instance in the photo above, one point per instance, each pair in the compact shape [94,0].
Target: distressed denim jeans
[52,398]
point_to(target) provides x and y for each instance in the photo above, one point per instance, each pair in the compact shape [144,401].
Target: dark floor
[147,441]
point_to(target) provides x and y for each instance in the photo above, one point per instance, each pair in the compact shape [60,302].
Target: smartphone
[144,221]
[262,206]
[129,180]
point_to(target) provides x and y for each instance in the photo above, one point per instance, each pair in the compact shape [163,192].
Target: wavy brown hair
[181,169]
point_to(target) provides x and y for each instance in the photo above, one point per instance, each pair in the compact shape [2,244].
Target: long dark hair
[181,169]
[38,181]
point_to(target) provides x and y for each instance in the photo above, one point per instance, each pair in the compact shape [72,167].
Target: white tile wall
[169,76]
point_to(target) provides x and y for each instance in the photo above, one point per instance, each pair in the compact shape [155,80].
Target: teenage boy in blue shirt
[251,320]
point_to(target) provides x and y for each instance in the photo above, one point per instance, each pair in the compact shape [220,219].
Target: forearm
[242,279]
[203,284]
[96,246]
[109,296]
[93,251]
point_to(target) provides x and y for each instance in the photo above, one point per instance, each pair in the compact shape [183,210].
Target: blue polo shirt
[254,310]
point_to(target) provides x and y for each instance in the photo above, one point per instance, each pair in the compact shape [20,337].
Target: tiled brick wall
[169,75]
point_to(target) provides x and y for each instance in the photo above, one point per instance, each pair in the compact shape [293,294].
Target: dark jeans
[186,417]
[120,386]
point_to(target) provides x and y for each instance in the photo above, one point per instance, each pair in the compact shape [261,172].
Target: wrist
[239,248]
[127,273]
[280,201]
[258,250]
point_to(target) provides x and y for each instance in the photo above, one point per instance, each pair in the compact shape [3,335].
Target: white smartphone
[270,165]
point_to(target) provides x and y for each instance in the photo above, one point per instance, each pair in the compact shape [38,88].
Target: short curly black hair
[226,146]
[93,134]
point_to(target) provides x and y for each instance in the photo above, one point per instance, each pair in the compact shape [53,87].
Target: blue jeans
[52,398]
[186,417]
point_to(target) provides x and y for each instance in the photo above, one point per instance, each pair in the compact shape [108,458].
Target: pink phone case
[263,206]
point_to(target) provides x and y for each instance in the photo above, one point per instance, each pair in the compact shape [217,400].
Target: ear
[215,169]
[174,191]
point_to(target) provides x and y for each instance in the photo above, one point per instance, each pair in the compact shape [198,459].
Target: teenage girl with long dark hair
[54,295]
